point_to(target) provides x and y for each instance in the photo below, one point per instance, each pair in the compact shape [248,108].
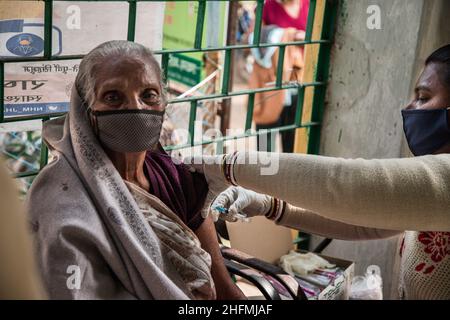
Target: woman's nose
[134,103]
[410,106]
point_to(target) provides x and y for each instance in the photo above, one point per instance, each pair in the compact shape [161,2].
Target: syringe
[225,215]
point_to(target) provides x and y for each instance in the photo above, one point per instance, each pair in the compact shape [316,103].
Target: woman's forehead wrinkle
[126,72]
[430,77]
[425,82]
[112,83]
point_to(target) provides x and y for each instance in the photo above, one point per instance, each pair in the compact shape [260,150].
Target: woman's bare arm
[225,287]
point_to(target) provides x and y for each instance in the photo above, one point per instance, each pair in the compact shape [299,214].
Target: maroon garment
[274,14]
[181,190]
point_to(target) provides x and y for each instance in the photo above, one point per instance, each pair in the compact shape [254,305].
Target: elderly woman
[113,216]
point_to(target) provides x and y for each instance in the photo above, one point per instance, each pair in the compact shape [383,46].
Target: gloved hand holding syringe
[239,204]
[224,214]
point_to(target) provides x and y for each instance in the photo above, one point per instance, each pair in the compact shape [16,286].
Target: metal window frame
[319,83]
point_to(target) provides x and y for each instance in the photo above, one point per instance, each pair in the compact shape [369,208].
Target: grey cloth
[83,216]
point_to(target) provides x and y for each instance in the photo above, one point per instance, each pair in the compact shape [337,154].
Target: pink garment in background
[274,14]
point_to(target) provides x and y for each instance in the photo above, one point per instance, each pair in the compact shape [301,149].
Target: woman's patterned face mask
[127,131]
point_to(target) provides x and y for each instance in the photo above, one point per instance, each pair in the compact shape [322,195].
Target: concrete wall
[372,75]
[434,33]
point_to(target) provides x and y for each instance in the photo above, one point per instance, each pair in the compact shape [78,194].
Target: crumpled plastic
[303,263]
[368,287]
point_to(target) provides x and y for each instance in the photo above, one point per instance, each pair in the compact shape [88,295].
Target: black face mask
[426,130]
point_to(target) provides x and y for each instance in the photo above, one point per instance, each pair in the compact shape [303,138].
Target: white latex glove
[240,201]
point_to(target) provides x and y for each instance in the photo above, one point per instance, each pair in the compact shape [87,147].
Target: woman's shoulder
[52,179]
[165,161]
[57,196]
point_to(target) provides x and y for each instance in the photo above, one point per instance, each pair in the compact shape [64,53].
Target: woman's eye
[112,97]
[150,95]
[421,97]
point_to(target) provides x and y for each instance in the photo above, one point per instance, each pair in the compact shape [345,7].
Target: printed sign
[33,88]
[179,32]
[38,88]
[25,38]
[185,69]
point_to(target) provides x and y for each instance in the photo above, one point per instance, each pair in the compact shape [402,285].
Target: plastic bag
[303,263]
[367,287]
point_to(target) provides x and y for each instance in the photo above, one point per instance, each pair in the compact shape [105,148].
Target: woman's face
[128,83]
[431,93]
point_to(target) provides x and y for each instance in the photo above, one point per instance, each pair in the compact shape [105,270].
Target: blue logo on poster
[25,45]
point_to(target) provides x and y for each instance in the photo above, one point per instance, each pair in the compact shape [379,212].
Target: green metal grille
[319,83]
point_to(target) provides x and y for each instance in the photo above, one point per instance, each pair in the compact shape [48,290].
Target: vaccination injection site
[225,150]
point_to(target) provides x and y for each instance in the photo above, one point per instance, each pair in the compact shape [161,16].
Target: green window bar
[319,83]
[131,20]
[226,74]
[250,107]
[48,22]
[200,22]
[280,64]
[258,22]
[192,117]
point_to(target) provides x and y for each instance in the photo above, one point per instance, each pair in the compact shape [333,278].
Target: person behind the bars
[283,21]
[357,199]
[126,223]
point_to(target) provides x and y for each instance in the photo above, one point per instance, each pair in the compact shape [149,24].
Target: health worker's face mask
[426,131]
[127,131]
